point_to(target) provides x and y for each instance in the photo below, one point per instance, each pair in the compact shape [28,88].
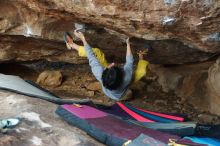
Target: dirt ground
[147,94]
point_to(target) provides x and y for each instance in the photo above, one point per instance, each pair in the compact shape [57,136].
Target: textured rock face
[214,86]
[39,125]
[19,48]
[185,26]
[195,84]
[180,31]
[50,78]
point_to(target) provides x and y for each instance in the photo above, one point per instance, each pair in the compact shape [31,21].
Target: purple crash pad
[84,112]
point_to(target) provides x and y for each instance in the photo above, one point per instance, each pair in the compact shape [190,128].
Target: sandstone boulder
[50,78]
[94,86]
[213,84]
[168,79]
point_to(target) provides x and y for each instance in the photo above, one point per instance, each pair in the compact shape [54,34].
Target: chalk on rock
[215,37]
[168,20]
[169,2]
[80,27]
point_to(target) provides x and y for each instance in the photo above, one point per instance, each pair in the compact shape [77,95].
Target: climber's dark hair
[112,77]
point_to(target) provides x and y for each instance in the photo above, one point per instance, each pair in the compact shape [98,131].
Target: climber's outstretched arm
[129,58]
[96,67]
[129,52]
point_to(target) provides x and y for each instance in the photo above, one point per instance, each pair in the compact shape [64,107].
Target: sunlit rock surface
[185,26]
[184,34]
[39,125]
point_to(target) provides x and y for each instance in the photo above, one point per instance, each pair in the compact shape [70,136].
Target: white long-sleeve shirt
[97,70]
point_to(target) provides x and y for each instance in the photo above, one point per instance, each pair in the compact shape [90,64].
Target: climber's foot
[69,40]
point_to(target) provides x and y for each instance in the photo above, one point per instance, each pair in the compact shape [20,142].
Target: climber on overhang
[114,79]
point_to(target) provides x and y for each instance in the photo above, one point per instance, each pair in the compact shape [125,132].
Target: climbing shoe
[68,39]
